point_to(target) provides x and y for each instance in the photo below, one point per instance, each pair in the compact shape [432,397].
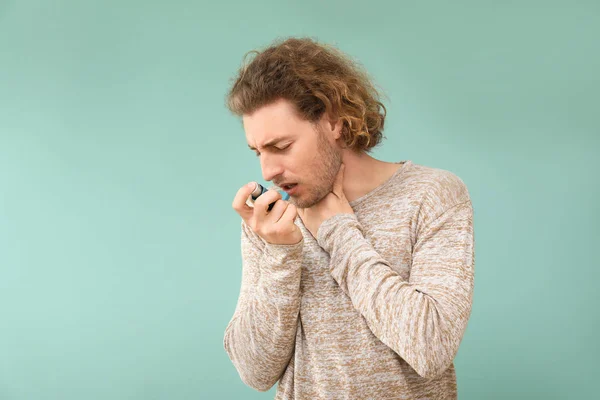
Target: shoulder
[435,190]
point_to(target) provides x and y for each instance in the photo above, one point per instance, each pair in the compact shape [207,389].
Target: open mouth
[290,189]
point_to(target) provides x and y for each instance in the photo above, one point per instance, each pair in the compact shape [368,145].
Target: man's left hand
[334,203]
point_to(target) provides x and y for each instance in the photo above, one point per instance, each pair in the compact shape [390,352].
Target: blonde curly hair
[316,78]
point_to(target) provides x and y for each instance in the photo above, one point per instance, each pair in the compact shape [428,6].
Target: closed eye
[276,148]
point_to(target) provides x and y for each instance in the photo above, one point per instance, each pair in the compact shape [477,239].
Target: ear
[337,128]
[334,126]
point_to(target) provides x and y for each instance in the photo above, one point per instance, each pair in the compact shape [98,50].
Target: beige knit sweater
[374,308]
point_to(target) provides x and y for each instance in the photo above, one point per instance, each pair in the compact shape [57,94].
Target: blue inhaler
[260,189]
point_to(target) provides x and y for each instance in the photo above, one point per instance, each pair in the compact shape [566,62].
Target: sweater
[374,307]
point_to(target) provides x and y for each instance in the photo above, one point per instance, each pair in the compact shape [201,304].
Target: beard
[325,165]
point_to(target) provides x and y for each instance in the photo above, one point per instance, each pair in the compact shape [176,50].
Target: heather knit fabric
[375,307]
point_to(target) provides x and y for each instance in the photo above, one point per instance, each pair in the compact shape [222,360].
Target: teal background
[120,259]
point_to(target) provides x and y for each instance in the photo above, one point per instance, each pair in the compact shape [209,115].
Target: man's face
[304,156]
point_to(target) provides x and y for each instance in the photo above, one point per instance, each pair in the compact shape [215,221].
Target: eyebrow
[272,142]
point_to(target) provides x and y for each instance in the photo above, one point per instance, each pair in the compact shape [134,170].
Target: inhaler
[260,189]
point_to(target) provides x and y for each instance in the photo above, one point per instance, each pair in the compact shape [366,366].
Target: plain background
[120,259]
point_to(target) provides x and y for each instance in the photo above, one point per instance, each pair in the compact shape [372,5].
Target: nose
[271,167]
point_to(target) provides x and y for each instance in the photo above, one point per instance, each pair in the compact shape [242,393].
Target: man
[360,286]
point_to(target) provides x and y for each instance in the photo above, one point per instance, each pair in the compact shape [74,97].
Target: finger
[338,183]
[262,203]
[276,212]
[239,201]
[290,213]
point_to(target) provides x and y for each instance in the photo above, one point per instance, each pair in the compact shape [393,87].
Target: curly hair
[316,78]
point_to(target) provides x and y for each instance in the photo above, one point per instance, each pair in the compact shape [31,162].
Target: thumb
[338,187]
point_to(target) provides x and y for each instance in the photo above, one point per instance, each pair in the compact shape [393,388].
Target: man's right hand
[276,226]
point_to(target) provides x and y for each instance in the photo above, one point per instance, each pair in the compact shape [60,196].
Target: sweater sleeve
[260,337]
[423,319]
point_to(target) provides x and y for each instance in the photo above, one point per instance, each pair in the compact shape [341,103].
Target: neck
[362,174]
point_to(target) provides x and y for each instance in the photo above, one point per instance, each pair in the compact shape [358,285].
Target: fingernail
[251,184]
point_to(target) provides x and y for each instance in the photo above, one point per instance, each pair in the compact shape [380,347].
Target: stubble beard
[325,165]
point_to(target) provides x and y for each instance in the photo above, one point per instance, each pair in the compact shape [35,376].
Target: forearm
[422,320]
[261,335]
